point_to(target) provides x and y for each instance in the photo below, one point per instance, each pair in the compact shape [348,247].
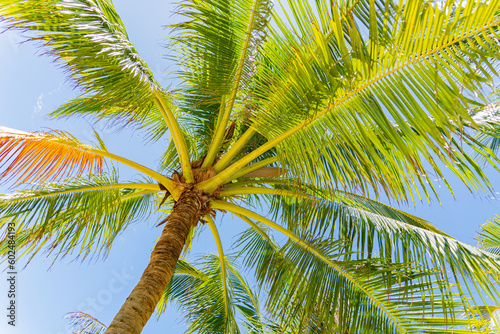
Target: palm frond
[41,156]
[488,118]
[371,226]
[243,73]
[489,236]
[216,46]
[288,206]
[331,96]
[306,290]
[89,40]
[488,317]
[82,323]
[199,293]
[82,215]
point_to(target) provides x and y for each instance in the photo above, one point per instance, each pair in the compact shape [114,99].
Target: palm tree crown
[313,110]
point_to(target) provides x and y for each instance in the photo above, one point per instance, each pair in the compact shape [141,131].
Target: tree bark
[142,301]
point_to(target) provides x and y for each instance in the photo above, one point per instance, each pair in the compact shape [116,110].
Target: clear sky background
[32,86]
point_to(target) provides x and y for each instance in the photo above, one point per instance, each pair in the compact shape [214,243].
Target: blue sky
[31,86]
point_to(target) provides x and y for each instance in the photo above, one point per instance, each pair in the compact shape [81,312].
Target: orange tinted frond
[42,156]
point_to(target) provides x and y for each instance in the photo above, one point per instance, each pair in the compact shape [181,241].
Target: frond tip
[489,236]
[39,156]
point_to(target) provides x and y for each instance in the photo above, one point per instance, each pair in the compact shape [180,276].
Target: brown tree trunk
[142,301]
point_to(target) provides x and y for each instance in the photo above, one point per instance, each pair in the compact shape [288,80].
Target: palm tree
[314,110]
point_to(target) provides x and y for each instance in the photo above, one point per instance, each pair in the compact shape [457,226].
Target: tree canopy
[309,110]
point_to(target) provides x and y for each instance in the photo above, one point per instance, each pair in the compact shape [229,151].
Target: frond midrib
[145,186]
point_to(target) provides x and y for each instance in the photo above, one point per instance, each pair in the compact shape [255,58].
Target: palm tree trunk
[142,301]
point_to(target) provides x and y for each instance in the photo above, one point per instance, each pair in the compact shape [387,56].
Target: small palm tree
[309,109]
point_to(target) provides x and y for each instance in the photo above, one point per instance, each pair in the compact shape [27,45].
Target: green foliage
[82,214]
[211,47]
[88,39]
[489,236]
[211,299]
[348,255]
[368,103]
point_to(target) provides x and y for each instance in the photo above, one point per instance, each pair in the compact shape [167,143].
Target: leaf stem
[234,191]
[146,186]
[234,150]
[220,129]
[254,167]
[174,189]
[222,259]
[175,130]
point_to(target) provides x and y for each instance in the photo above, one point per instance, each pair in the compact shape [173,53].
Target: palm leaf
[201,294]
[81,214]
[42,156]
[488,316]
[489,236]
[88,38]
[401,238]
[288,204]
[215,46]
[372,226]
[82,323]
[488,119]
[306,290]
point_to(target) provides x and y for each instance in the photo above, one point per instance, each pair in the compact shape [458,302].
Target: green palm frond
[289,206]
[286,201]
[489,236]
[216,46]
[488,318]
[489,118]
[199,293]
[82,323]
[386,297]
[373,227]
[368,228]
[89,40]
[82,215]
[336,97]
